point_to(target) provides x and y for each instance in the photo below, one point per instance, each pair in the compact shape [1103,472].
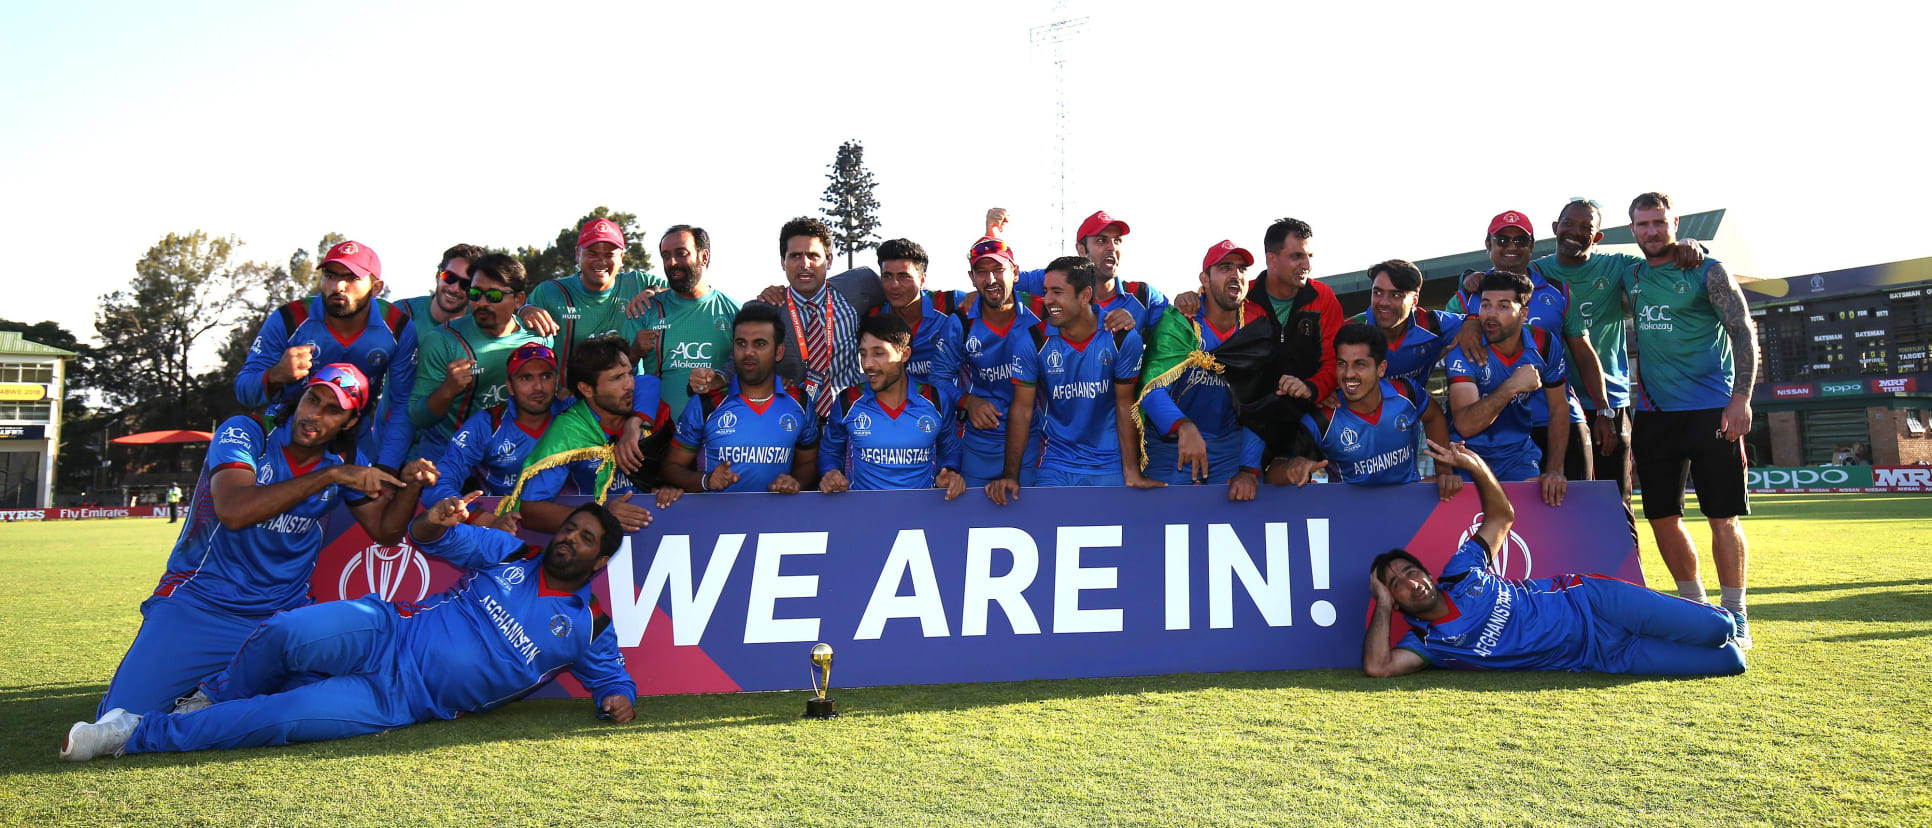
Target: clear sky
[1396,129]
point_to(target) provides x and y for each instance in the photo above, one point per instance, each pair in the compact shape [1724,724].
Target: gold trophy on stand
[818,706]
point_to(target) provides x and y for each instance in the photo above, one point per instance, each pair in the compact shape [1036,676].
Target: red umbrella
[155,438]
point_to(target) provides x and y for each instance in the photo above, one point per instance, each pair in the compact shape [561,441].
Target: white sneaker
[106,737]
[191,702]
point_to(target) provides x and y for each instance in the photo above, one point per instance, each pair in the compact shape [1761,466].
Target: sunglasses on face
[449,277]
[1512,241]
[492,295]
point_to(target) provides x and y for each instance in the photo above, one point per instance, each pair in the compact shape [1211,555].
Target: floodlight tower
[1057,34]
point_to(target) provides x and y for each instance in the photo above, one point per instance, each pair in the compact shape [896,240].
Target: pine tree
[851,208]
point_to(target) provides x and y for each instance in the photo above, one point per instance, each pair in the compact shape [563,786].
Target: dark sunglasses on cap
[1507,241]
[493,295]
[449,277]
[990,247]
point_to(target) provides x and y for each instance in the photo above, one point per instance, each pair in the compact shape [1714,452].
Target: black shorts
[1578,457]
[1674,446]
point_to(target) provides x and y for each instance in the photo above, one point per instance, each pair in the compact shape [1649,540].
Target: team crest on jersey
[788,423]
[376,359]
[1307,327]
[1055,362]
[973,345]
[1402,424]
[559,626]
[1682,287]
[927,425]
[1548,299]
[509,578]
[1600,284]
[727,423]
[1350,439]
[862,425]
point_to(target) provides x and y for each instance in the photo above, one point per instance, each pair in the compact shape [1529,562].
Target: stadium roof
[1700,226]
[11,342]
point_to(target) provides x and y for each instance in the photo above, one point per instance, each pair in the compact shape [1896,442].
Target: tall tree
[184,288]
[851,208]
[560,258]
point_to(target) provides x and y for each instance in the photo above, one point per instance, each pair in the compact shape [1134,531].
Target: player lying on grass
[1472,618]
[347,668]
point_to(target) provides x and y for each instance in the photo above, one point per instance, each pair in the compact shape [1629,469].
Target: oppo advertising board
[1783,479]
[725,593]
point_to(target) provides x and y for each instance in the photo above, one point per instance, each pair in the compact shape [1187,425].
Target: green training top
[695,333]
[581,314]
[461,339]
[1597,289]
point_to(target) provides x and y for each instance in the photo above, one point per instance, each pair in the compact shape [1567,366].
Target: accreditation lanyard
[805,348]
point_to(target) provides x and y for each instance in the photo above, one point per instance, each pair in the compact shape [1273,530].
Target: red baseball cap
[527,352]
[1222,250]
[355,256]
[992,247]
[347,381]
[1512,218]
[1096,223]
[600,230]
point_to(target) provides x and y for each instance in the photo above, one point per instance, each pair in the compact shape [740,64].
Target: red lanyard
[805,348]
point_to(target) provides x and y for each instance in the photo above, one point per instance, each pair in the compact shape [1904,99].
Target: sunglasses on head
[990,247]
[493,295]
[449,277]
[1512,241]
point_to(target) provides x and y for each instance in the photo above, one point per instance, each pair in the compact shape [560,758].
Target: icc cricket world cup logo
[388,572]
[1505,559]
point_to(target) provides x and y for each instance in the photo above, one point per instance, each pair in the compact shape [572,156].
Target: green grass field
[1832,724]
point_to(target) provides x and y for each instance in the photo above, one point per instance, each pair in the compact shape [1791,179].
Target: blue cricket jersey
[1375,449]
[1548,303]
[759,440]
[579,477]
[1415,356]
[1506,442]
[1203,398]
[987,352]
[490,448]
[935,345]
[879,448]
[502,632]
[1077,379]
[385,352]
[1138,298]
[1499,624]
[259,569]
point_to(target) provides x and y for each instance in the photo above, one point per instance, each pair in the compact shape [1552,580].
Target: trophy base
[817,708]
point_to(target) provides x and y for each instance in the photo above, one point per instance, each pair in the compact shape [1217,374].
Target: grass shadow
[1802,588]
[39,716]
[1892,606]
[1877,635]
